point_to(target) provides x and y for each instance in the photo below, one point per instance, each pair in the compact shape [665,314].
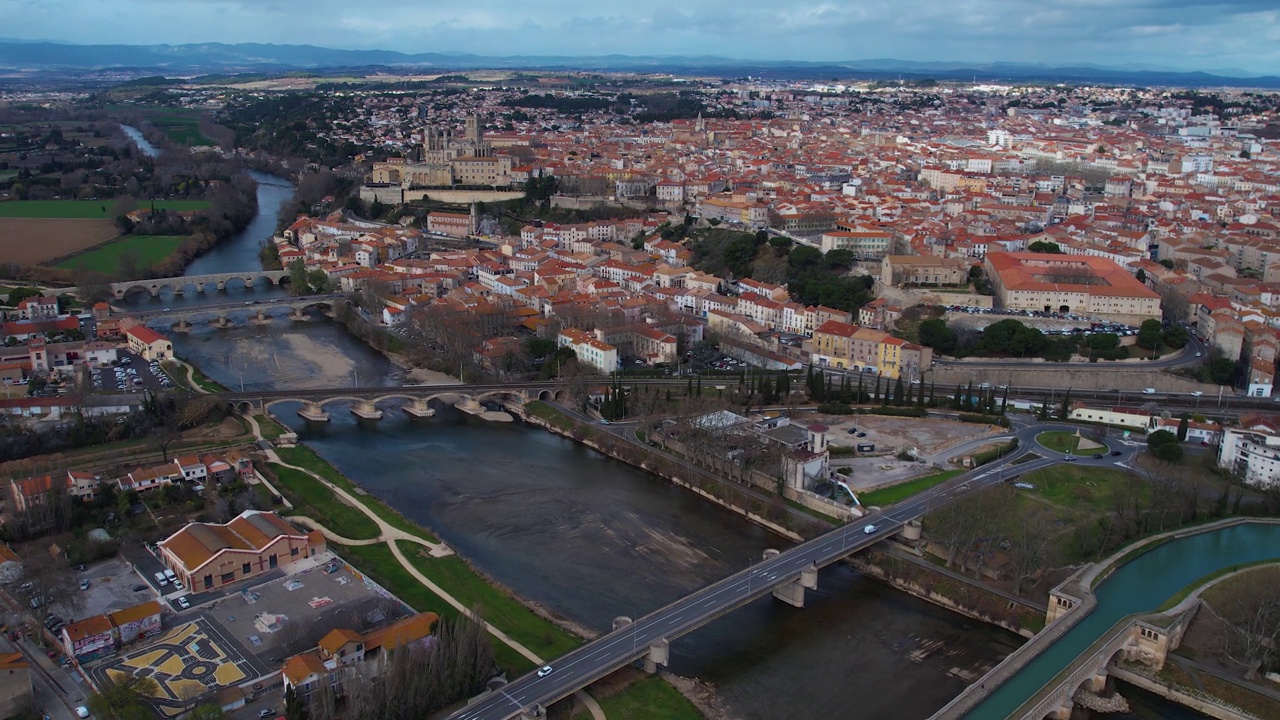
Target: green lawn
[378,563]
[303,456]
[150,250]
[1084,488]
[6,174]
[1059,440]
[311,498]
[504,611]
[85,209]
[270,428]
[649,697]
[898,493]
[180,127]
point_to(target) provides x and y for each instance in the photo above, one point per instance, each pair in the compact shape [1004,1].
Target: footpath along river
[590,538]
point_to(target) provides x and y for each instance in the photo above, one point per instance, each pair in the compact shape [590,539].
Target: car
[545,670]
[266,713]
[82,711]
[861,434]
[1197,393]
[84,584]
[1098,456]
[81,568]
[869,529]
[1115,453]
[603,421]
[852,430]
[184,603]
[1069,458]
[139,587]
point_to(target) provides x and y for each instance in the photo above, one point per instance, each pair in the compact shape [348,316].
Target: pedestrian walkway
[389,534]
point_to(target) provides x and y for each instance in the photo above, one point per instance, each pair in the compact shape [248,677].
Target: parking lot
[111,588]
[133,374]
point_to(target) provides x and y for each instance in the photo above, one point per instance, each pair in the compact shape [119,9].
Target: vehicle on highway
[1098,456]
[1199,354]
[869,529]
[1115,453]
[184,603]
[82,712]
[1197,393]
[1149,391]
[266,713]
[1069,458]
[545,670]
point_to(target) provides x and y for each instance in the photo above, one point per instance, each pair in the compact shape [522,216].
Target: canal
[1140,585]
[587,537]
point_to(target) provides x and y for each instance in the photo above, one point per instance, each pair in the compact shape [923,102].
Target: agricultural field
[149,249]
[32,241]
[85,209]
[183,128]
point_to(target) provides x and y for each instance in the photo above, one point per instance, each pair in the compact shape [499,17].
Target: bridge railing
[1053,694]
[1015,662]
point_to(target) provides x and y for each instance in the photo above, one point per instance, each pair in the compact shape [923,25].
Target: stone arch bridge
[179,285]
[370,403]
[262,309]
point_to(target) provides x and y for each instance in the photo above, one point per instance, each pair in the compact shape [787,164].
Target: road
[598,658]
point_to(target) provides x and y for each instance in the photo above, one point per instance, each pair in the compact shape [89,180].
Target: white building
[1252,451]
[590,351]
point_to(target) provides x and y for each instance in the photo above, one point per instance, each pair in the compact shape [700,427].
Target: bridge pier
[659,654]
[199,287]
[298,316]
[792,593]
[222,284]
[419,408]
[155,291]
[1098,683]
[179,290]
[313,412]
[262,318]
[535,712]
[222,321]
[469,405]
[366,410]
[182,326]
[249,281]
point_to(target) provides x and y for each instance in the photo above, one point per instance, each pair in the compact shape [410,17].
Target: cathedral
[448,161]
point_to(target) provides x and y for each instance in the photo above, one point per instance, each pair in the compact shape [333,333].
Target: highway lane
[620,647]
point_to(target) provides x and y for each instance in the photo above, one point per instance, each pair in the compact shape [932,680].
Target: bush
[894,411]
[987,456]
[836,409]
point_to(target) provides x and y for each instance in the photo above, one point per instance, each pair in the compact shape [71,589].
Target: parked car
[84,584]
[184,603]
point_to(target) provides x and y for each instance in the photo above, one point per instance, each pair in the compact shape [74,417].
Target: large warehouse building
[1077,284]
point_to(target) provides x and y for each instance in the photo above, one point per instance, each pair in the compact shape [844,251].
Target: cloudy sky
[1187,34]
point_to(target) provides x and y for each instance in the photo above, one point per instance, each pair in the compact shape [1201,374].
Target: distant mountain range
[39,57]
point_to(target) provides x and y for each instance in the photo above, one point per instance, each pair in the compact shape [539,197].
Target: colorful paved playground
[186,662]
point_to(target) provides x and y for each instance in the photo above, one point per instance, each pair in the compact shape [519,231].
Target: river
[590,538]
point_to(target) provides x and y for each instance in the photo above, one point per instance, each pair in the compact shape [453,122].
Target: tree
[1141,276]
[18,294]
[898,392]
[123,700]
[1183,425]
[1150,334]
[1164,446]
[1043,246]
[936,334]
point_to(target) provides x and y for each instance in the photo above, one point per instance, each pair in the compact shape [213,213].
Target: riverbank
[442,582]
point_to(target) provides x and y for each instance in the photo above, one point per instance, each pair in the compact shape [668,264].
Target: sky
[1236,35]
